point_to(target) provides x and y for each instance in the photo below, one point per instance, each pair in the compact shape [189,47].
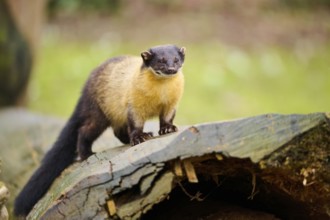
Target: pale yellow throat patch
[160,74]
[152,95]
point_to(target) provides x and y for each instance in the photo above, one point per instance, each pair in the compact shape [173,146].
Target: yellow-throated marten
[122,93]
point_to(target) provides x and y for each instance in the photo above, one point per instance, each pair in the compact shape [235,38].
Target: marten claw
[141,137]
[166,129]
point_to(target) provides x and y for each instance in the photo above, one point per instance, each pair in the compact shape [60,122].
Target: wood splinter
[190,171]
[111,207]
[177,168]
[219,156]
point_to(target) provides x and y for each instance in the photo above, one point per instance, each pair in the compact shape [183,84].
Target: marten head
[164,60]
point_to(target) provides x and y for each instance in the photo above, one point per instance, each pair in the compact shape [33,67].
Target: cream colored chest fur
[124,86]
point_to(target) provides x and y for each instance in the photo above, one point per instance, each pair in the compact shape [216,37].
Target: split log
[24,139]
[278,164]
[4,195]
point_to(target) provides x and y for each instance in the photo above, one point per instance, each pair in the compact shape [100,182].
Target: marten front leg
[135,129]
[166,122]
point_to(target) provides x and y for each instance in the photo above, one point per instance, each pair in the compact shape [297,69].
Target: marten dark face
[164,60]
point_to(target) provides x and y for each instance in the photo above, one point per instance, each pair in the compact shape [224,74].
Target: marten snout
[171,70]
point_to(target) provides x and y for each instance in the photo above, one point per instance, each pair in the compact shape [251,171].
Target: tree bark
[277,164]
[4,195]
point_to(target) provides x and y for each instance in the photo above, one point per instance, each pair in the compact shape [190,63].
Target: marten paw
[166,129]
[84,153]
[140,137]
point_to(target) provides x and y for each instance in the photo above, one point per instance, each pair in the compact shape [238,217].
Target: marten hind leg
[122,134]
[93,125]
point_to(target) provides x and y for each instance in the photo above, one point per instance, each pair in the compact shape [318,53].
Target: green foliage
[305,4]
[221,82]
[78,5]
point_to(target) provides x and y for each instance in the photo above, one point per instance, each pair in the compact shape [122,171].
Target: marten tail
[60,156]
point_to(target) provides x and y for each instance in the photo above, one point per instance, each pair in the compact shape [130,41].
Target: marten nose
[171,70]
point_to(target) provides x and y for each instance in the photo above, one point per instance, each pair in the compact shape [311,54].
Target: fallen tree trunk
[24,139]
[278,163]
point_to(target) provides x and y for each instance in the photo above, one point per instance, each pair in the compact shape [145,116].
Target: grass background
[256,62]
[221,83]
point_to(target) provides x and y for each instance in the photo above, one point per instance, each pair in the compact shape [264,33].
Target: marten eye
[176,60]
[161,60]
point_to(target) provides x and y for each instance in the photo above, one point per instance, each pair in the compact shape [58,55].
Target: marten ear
[146,56]
[182,52]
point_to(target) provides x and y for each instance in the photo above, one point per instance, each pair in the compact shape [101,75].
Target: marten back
[109,85]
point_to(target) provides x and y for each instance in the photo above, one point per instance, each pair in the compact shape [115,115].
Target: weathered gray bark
[279,161]
[24,139]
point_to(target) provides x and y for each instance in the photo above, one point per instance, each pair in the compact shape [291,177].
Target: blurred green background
[243,57]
